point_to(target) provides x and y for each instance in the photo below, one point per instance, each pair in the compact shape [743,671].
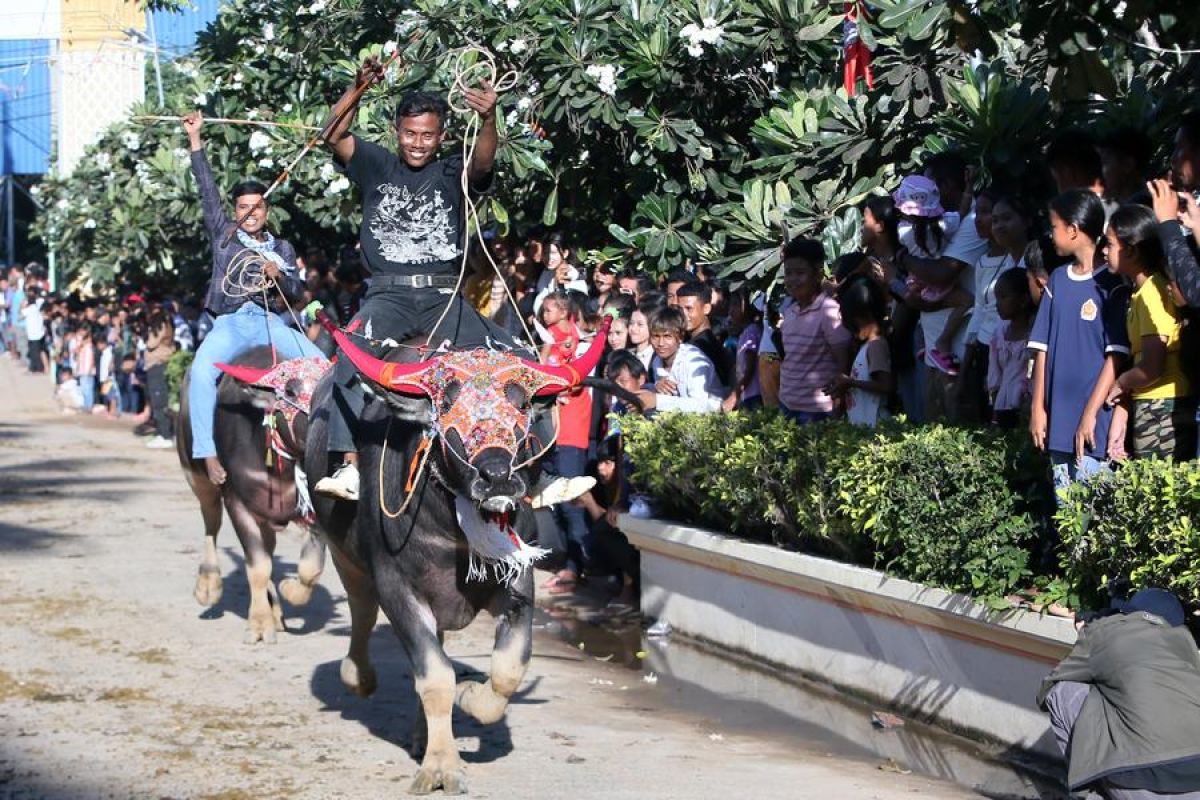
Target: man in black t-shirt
[694,299]
[413,234]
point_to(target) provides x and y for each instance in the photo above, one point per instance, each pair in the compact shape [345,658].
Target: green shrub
[177,367]
[1135,524]
[938,508]
[930,504]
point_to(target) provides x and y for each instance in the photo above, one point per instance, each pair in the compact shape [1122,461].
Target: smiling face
[639,330]
[255,210]
[695,311]
[801,280]
[419,138]
[666,344]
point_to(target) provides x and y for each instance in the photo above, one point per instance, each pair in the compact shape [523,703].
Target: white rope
[473,65]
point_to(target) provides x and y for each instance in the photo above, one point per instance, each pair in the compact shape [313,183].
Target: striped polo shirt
[811,338]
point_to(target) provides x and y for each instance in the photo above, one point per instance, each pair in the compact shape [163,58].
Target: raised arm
[216,220]
[483,102]
[339,138]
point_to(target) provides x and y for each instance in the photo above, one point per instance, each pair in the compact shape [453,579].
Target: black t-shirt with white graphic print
[413,220]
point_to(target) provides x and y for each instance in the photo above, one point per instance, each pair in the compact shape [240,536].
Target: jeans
[1064,702]
[87,390]
[1066,469]
[158,398]
[571,462]
[804,417]
[232,335]
[402,314]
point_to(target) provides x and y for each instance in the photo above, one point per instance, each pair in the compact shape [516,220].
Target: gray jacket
[218,224]
[1144,710]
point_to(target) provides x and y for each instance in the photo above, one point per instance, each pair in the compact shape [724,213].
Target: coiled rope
[472,66]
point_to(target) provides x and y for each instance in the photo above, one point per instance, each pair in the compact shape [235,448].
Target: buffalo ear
[258,397]
[417,410]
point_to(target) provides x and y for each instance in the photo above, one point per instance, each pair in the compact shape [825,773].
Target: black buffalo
[261,500]
[449,442]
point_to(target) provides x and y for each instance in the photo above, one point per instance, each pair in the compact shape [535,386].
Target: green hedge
[938,505]
[177,367]
[1135,525]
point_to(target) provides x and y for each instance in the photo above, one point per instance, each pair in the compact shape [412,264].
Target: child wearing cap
[925,229]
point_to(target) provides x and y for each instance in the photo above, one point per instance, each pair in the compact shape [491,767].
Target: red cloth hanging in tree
[858,56]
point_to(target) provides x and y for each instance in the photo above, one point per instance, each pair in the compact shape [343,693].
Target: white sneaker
[342,484]
[160,443]
[560,490]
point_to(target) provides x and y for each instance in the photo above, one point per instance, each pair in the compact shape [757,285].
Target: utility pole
[157,68]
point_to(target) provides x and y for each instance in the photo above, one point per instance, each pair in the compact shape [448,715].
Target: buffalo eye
[516,395]
[450,395]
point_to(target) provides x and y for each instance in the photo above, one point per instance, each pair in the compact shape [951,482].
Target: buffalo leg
[258,544]
[486,702]
[356,671]
[208,582]
[298,590]
[433,676]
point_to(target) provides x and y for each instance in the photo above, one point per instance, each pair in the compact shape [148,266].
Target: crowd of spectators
[1070,315]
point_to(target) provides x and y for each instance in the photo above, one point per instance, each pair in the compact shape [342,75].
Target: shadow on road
[315,615]
[391,713]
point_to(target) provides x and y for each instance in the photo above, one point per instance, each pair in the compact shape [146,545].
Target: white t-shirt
[984,319]
[863,407]
[965,246]
[35,326]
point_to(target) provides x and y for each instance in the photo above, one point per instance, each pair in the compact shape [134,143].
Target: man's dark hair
[679,275]
[1132,142]
[809,250]
[651,302]
[247,187]
[695,289]
[947,168]
[624,361]
[414,104]
[1076,150]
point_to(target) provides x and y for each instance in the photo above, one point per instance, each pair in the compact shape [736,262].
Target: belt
[414,281]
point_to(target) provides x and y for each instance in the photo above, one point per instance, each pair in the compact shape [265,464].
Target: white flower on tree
[605,76]
[269,31]
[130,140]
[708,32]
[328,172]
[518,45]
[89,223]
[524,103]
[259,141]
[266,163]
[200,99]
[339,185]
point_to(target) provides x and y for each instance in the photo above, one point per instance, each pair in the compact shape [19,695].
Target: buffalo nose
[493,471]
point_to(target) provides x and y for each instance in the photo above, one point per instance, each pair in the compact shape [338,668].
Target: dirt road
[115,683]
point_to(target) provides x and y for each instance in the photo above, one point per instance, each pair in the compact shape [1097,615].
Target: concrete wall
[928,653]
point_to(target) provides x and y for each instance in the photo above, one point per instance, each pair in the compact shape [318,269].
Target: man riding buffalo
[413,233]
[241,321]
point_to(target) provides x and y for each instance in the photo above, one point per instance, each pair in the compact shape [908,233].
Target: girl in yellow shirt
[1154,403]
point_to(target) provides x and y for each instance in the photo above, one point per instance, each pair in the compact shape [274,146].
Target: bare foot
[216,473]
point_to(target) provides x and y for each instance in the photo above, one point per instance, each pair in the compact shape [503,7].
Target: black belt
[414,281]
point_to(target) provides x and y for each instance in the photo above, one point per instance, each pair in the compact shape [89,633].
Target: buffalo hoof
[430,779]
[360,680]
[295,591]
[208,586]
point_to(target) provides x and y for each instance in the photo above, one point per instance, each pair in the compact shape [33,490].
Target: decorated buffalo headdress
[482,398]
[292,382]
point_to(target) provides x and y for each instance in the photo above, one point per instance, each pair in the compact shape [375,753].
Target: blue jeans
[571,462]
[232,335]
[87,390]
[1066,469]
[804,417]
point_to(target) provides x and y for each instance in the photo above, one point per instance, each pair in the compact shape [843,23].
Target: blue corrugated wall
[176,31]
[25,106]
